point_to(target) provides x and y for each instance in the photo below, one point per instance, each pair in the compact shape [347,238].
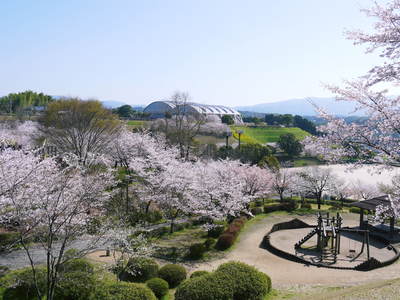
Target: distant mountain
[112,103]
[303,107]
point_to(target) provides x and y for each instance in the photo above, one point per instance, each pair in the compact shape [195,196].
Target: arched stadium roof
[160,107]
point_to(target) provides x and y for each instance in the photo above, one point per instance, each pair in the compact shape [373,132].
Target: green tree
[251,153]
[124,111]
[79,127]
[304,124]
[286,119]
[227,119]
[15,102]
[289,144]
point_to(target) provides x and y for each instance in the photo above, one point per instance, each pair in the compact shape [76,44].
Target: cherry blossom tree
[377,139]
[53,203]
[20,134]
[364,191]
[316,181]
[282,182]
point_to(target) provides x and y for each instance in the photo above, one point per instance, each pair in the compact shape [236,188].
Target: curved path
[285,273]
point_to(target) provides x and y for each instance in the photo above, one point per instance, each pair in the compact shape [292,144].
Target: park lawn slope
[264,135]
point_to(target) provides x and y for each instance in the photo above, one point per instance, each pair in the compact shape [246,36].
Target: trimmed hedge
[249,283]
[173,274]
[159,286]
[231,281]
[75,286]
[216,231]
[286,206]
[196,251]
[257,210]
[139,269]
[229,236]
[77,265]
[122,291]
[199,273]
[207,287]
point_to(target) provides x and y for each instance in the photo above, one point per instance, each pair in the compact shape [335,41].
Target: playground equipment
[328,231]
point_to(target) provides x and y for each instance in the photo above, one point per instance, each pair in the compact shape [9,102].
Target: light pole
[227,135]
[239,132]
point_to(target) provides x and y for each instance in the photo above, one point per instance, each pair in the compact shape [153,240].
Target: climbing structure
[328,237]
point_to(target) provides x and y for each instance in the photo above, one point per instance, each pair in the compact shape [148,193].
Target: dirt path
[285,273]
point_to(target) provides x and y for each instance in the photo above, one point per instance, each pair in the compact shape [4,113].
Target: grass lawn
[264,135]
[309,161]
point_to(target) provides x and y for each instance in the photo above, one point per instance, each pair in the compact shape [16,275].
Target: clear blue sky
[220,51]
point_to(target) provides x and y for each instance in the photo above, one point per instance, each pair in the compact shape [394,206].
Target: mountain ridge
[304,107]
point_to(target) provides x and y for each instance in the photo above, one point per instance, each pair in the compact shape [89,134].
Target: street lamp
[228,133]
[239,132]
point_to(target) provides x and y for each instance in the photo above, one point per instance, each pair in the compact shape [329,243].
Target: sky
[228,52]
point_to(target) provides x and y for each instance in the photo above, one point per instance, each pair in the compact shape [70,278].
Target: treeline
[285,120]
[15,102]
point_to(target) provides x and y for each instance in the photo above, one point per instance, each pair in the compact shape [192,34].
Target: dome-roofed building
[158,109]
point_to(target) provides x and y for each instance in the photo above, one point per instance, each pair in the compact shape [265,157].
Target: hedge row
[228,237]
[231,281]
[286,206]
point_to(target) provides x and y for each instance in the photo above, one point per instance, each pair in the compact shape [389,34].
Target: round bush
[159,286]
[225,241]
[250,284]
[257,210]
[122,291]
[19,284]
[139,269]
[207,287]
[75,286]
[77,265]
[199,273]
[196,251]
[209,242]
[173,274]
[216,231]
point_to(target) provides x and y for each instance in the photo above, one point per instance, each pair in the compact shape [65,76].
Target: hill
[303,107]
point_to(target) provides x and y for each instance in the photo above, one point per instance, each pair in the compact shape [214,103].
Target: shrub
[139,269]
[199,273]
[173,274]
[19,284]
[207,287]
[354,210]
[75,285]
[7,239]
[158,286]
[3,270]
[209,243]
[259,202]
[249,283]
[77,265]
[286,206]
[196,251]
[216,231]
[122,291]
[225,241]
[306,206]
[257,210]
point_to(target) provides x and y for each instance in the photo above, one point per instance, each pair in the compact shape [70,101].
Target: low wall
[368,265]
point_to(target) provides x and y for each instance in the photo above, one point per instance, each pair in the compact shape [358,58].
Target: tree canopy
[16,101]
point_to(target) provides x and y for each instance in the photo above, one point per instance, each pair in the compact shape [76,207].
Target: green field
[137,124]
[266,134]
